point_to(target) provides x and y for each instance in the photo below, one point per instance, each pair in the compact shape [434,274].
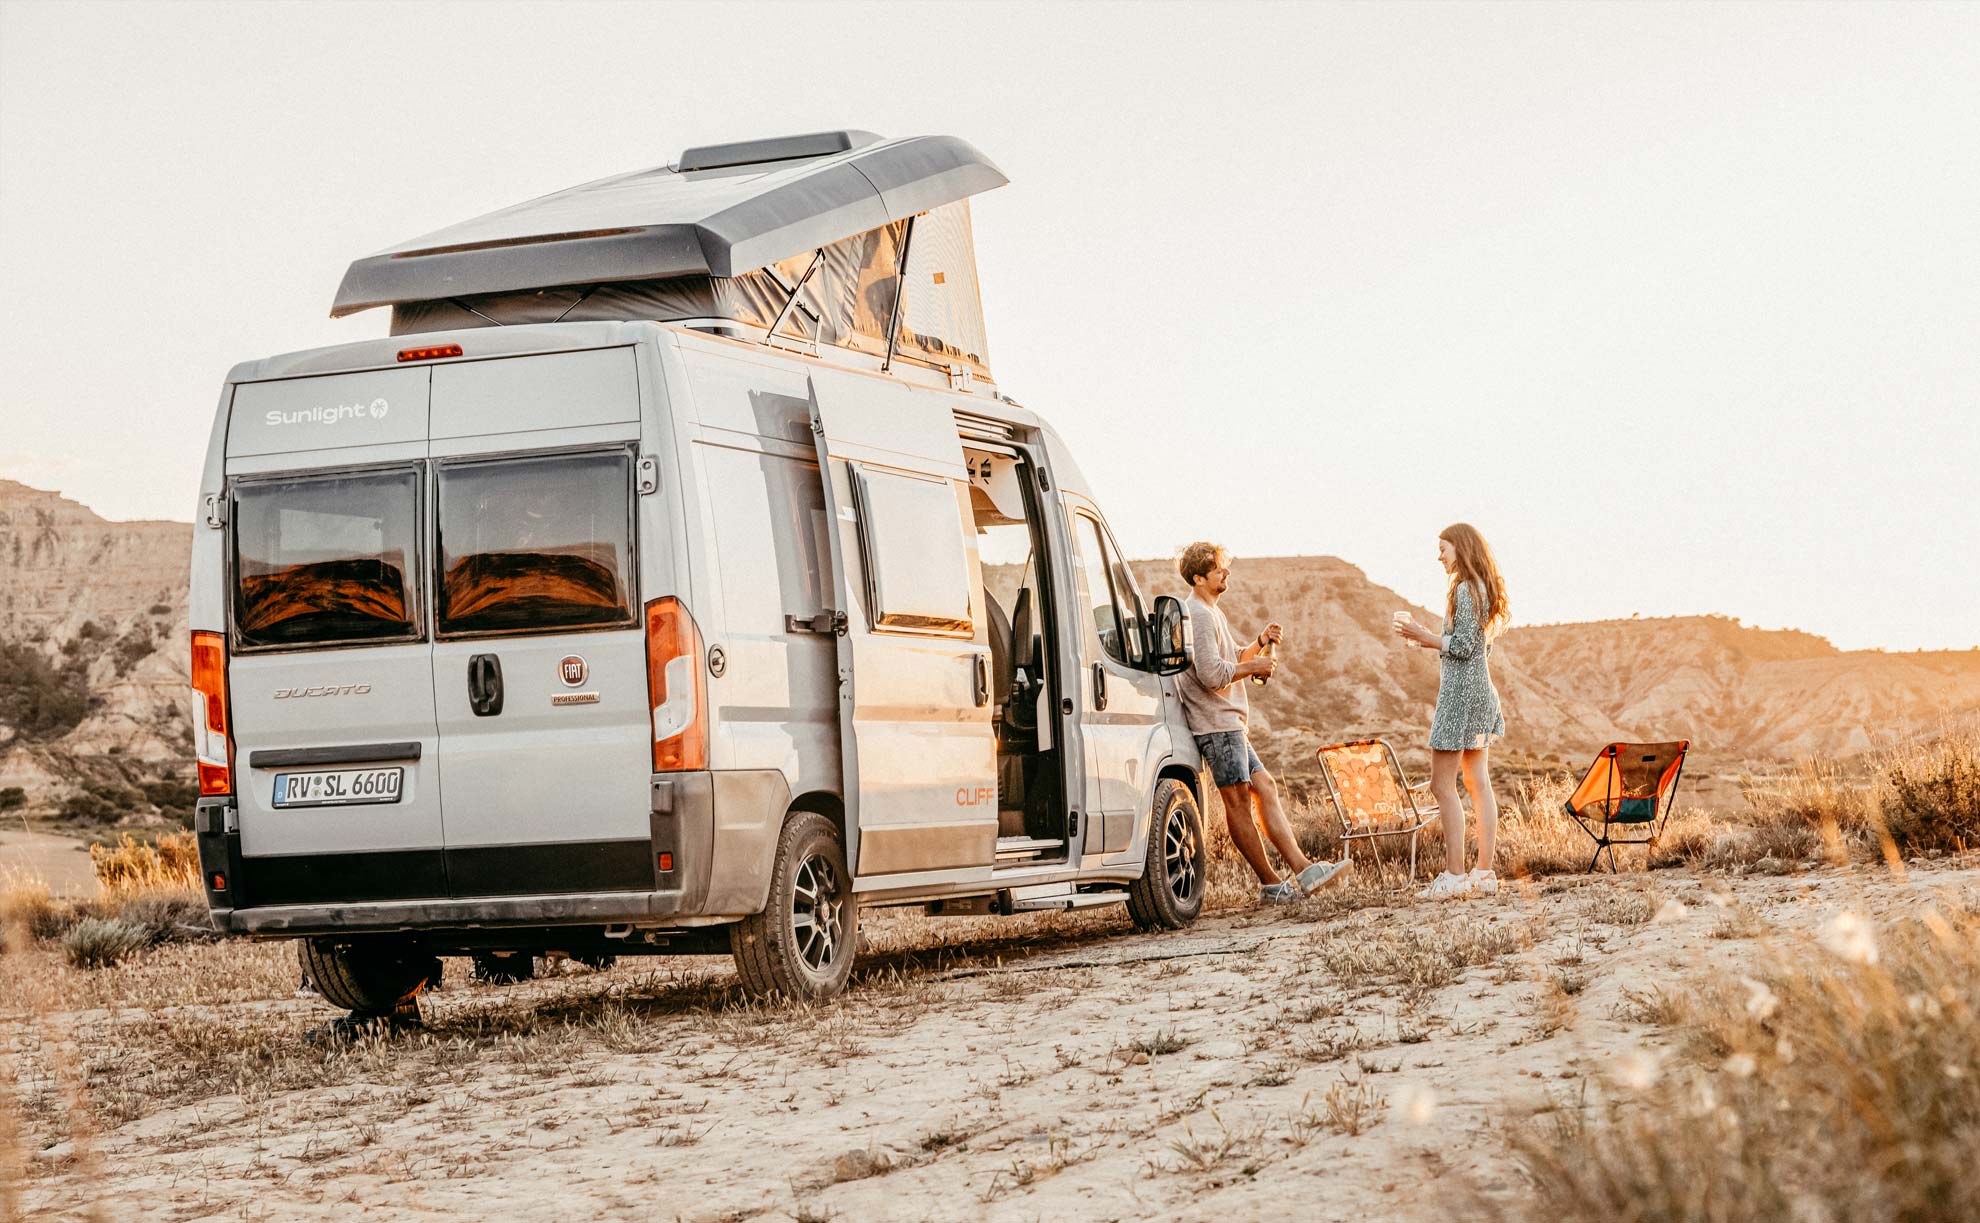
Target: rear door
[914,684]
[539,661]
[331,674]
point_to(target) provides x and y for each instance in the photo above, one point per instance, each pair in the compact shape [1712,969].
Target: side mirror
[1168,636]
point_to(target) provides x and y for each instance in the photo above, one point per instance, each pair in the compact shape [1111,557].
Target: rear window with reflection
[538,544]
[326,560]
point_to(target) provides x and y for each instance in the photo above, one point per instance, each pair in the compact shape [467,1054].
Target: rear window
[326,560]
[536,544]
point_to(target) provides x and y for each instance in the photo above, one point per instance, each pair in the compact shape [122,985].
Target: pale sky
[1680,305]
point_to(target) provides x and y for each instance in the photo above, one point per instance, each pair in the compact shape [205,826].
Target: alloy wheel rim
[817,913]
[1179,853]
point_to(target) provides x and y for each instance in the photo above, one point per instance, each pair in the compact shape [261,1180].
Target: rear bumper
[715,831]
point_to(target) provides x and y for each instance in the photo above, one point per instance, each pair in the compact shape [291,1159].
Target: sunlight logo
[338,414]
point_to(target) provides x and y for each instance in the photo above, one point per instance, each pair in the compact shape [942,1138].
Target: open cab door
[918,750]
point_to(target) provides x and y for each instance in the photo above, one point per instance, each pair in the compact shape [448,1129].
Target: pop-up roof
[805,233]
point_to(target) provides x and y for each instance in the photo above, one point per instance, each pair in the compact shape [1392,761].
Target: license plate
[342,788]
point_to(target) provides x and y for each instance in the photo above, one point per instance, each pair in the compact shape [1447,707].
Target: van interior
[1031,808]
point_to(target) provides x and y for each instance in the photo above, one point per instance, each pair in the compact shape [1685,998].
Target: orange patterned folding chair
[1371,797]
[1630,784]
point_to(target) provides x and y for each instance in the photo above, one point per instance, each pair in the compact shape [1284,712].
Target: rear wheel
[376,976]
[803,943]
[1169,894]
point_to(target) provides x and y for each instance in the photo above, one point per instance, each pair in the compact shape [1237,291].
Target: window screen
[326,560]
[536,545]
[917,570]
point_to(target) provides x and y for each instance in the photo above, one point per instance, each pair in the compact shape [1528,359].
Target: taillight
[675,690]
[211,744]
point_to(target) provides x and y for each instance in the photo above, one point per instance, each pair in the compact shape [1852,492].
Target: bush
[29,905]
[173,797]
[1840,1087]
[39,700]
[12,797]
[97,942]
[129,865]
[1931,795]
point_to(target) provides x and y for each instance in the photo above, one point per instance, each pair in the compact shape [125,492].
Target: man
[1214,705]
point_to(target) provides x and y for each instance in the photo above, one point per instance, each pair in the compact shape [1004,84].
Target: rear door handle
[1099,686]
[981,671]
[485,685]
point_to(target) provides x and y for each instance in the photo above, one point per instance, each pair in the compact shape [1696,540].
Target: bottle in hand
[1270,646]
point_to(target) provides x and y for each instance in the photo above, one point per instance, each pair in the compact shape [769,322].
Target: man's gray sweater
[1212,696]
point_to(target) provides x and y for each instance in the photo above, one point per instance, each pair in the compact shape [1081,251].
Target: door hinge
[649,474]
[827,621]
[215,505]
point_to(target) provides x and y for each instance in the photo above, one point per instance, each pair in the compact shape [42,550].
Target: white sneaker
[1485,882]
[1282,893]
[1320,874]
[1447,887]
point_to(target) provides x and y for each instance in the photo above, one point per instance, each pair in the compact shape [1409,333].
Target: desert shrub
[98,942]
[161,609]
[1842,1086]
[1931,794]
[166,915]
[133,647]
[128,865]
[89,807]
[38,699]
[173,797]
[29,906]
[12,797]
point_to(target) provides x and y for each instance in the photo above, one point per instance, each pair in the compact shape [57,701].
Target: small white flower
[1761,1002]
[1955,1071]
[1416,1103]
[1639,1070]
[1784,1049]
[1849,936]
[1671,910]
[1741,1065]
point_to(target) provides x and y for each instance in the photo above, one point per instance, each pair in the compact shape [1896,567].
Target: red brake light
[211,743]
[676,689]
[430,354]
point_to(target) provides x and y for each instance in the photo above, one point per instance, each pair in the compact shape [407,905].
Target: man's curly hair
[1196,560]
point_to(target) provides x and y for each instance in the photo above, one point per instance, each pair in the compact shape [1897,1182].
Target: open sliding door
[914,670]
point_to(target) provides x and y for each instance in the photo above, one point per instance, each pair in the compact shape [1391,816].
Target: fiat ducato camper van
[675,578]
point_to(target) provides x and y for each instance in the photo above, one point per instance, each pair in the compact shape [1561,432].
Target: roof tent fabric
[847,302]
[723,222]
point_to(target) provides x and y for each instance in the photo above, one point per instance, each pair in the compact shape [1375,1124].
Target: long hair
[1477,569]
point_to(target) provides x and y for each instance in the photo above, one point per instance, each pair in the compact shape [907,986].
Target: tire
[503,967]
[803,944]
[376,976]
[1169,894]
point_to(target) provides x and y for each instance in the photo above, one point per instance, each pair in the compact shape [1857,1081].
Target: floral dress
[1467,704]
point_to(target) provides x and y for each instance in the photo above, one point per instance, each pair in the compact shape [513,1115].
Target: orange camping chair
[1371,797]
[1631,785]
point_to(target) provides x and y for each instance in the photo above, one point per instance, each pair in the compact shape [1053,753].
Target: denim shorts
[1229,755]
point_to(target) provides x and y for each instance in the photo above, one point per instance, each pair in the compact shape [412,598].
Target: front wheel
[1169,894]
[802,945]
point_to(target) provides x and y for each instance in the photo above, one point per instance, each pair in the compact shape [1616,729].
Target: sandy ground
[60,862]
[1307,1063]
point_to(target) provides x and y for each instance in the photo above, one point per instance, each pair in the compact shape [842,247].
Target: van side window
[537,544]
[911,543]
[1113,611]
[326,560]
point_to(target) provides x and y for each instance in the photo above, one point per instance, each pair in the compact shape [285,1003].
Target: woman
[1467,705]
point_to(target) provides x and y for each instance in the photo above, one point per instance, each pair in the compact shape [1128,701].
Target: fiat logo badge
[572,669]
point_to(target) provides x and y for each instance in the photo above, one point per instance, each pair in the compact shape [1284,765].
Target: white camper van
[674,578]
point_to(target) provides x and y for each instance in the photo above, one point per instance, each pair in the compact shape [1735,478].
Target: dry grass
[1842,1086]
[130,866]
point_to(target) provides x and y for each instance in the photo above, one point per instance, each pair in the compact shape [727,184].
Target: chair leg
[1412,858]
[1597,858]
